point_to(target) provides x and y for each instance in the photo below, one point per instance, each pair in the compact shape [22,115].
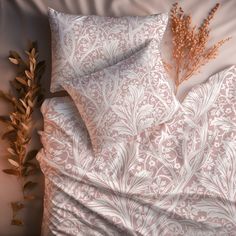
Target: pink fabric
[84,44]
[122,100]
[22,20]
[177,178]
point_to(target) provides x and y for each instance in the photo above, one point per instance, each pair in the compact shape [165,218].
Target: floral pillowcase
[122,100]
[85,44]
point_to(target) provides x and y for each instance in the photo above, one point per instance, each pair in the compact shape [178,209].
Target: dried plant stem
[19,123]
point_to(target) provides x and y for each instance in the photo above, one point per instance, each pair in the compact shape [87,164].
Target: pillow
[85,44]
[122,100]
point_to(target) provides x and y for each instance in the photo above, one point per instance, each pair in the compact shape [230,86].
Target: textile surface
[85,44]
[122,100]
[177,178]
[21,20]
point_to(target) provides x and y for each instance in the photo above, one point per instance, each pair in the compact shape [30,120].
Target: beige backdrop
[21,20]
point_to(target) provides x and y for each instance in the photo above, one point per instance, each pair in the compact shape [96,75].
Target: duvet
[177,178]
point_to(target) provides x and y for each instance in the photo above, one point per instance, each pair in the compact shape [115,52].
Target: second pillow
[122,100]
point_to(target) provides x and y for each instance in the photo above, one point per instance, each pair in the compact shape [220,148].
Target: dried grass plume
[190,50]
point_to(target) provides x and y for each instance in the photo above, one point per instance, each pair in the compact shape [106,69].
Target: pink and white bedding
[85,44]
[123,155]
[177,178]
[22,20]
[124,99]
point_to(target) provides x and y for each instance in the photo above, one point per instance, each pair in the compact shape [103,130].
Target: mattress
[21,20]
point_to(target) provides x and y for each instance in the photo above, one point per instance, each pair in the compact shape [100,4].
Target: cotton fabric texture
[122,100]
[32,23]
[85,44]
[177,178]
[123,156]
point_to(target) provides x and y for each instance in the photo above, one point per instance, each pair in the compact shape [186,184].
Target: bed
[23,20]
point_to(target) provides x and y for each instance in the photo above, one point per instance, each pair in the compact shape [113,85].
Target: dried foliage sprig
[25,98]
[190,50]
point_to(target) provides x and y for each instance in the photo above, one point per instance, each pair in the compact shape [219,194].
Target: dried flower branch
[189,45]
[26,97]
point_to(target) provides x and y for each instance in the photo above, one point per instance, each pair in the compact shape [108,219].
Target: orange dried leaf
[11,172]
[14,163]
[11,151]
[26,127]
[33,52]
[24,104]
[13,60]
[22,81]
[28,110]
[28,74]
[29,83]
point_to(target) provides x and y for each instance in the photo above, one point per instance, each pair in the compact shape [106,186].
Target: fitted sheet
[21,20]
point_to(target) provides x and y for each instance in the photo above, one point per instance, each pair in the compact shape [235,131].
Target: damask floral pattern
[85,44]
[122,100]
[177,178]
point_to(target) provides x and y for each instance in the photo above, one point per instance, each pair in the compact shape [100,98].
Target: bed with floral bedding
[122,152]
[177,178]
